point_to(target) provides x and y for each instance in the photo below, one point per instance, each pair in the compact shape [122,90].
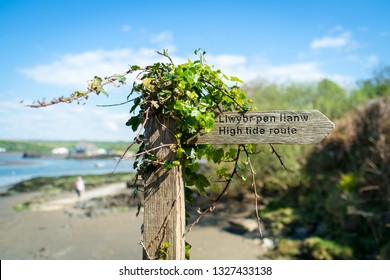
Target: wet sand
[53,234]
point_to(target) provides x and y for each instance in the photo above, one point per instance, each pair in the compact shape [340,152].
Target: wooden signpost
[164,212]
[268,127]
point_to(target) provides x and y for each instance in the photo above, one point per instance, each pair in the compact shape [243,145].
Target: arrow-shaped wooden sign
[268,127]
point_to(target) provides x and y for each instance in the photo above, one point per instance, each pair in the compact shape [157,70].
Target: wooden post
[164,208]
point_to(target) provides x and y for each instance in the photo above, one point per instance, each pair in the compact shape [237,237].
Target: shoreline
[63,227]
[63,182]
[15,169]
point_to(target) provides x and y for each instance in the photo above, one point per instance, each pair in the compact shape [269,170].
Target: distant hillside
[47,146]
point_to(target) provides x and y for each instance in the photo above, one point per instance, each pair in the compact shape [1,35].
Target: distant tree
[325,96]
[377,86]
[330,99]
[381,81]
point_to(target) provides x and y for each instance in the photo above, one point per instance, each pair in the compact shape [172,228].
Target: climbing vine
[193,94]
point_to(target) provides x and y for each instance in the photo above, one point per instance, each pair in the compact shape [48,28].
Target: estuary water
[14,168]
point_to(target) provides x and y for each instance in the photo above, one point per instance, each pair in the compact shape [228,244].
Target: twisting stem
[136,139]
[254,191]
[165,53]
[152,149]
[117,104]
[278,156]
[224,93]
[79,95]
[214,202]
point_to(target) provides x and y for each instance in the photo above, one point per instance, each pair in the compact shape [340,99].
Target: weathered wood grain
[268,127]
[164,208]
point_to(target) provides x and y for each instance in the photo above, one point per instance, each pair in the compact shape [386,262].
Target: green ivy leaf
[134,122]
[187,250]
[195,113]
[192,154]
[135,67]
[179,106]
[95,85]
[121,79]
[218,155]
[101,89]
[179,153]
[236,79]
[191,95]
[208,123]
[201,183]
[188,193]
[231,154]
[222,172]
[137,101]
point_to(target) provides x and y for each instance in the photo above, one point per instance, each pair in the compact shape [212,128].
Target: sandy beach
[58,229]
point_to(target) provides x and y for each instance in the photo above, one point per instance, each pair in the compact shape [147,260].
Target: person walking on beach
[80,186]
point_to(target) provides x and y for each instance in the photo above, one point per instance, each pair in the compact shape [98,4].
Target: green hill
[47,146]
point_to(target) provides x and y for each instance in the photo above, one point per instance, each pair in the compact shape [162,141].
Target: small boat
[100,164]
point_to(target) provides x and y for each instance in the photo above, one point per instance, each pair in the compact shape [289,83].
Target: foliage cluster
[355,187]
[192,94]
[312,248]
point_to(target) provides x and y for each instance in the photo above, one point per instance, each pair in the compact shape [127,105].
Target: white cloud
[126,28]
[74,70]
[163,40]
[111,125]
[162,37]
[342,40]
[294,72]
[371,61]
[363,29]
[237,65]
[226,60]
[367,62]
[337,28]
[63,122]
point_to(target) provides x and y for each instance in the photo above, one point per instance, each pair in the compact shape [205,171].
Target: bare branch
[117,104]
[278,156]
[255,192]
[148,151]
[136,139]
[81,95]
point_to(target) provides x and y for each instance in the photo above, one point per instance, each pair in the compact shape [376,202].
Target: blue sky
[51,48]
